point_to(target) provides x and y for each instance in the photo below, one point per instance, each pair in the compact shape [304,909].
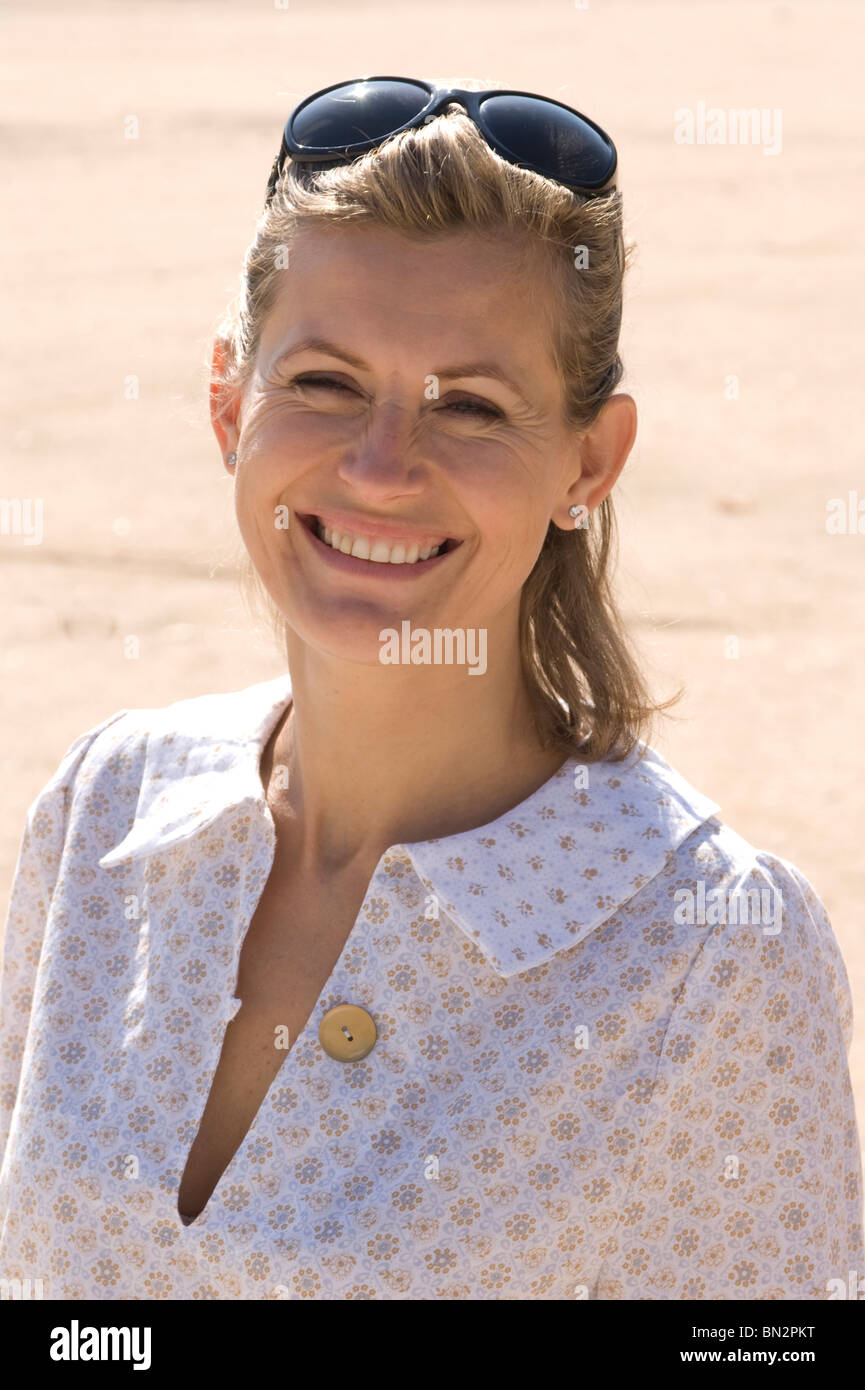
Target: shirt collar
[523,887]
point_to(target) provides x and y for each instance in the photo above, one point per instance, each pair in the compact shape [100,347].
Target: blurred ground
[120,255]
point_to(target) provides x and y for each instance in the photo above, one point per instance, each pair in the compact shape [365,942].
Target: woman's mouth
[372,554]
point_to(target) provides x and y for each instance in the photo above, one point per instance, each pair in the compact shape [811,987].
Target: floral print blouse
[610,1064]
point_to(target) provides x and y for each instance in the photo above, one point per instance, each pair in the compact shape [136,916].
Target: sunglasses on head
[342,122]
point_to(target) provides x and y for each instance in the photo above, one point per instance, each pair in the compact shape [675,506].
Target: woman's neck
[348,776]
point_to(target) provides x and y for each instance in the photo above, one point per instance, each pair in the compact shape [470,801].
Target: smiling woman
[372,980]
[494,299]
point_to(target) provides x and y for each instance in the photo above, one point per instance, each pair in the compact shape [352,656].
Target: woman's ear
[602,453]
[224,405]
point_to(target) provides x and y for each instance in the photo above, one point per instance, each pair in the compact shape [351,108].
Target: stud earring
[232,458]
[574,510]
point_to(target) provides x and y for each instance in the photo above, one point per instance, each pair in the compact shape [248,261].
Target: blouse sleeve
[748,1184]
[35,877]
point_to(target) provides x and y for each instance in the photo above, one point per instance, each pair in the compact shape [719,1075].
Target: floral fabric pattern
[590,1080]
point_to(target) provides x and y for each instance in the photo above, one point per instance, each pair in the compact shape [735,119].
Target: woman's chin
[363,640]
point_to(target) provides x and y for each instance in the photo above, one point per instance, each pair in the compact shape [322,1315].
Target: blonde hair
[587,693]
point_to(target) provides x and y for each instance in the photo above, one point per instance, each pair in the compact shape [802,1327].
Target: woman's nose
[384,458]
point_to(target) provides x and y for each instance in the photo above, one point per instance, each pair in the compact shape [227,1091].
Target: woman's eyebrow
[322,345]
[461,370]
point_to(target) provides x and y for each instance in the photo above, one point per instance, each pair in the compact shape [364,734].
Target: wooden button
[347,1033]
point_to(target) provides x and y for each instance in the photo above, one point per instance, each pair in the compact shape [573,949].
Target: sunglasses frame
[439,98]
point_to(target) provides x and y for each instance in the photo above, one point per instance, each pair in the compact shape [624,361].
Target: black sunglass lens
[356,112]
[536,132]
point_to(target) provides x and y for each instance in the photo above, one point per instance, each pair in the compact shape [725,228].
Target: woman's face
[429,411]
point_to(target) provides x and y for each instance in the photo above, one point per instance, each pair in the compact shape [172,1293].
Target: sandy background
[120,255]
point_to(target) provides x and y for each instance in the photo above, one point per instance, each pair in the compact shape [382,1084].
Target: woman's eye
[491,412]
[328,382]
[462,407]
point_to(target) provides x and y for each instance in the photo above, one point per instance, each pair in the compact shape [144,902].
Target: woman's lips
[372,569]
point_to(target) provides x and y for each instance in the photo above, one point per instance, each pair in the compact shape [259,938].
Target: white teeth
[380,552]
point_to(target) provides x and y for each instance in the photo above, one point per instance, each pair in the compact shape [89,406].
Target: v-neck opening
[306,1034]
